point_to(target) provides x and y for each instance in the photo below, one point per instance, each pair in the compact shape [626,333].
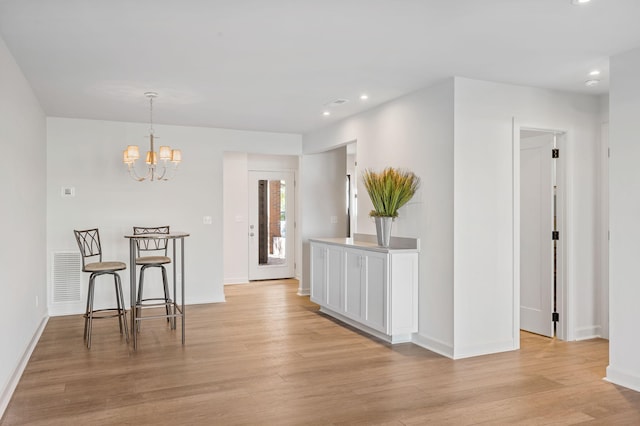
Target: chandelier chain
[151,114]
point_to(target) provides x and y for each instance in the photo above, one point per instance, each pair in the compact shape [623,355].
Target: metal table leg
[132,292]
[173,305]
[182,285]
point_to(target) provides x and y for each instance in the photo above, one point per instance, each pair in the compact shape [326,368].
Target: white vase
[383,230]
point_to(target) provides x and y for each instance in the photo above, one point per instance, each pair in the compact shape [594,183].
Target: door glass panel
[272,222]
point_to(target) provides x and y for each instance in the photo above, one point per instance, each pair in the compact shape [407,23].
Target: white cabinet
[366,287]
[318,273]
[369,287]
[335,282]
[354,285]
[326,273]
[376,290]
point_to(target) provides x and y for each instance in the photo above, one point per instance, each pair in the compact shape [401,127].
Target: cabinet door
[376,293]
[318,273]
[354,284]
[335,272]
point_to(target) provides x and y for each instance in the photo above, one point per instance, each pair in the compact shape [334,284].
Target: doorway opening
[541,222]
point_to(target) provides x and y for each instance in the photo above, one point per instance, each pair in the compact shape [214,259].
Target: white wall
[603,196]
[415,132]
[457,136]
[272,162]
[322,196]
[23,215]
[624,174]
[604,108]
[236,206]
[86,154]
[483,219]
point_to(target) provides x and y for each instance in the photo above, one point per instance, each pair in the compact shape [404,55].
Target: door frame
[604,229]
[564,289]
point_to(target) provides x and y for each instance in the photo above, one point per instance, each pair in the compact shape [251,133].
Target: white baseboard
[434,345]
[63,309]
[585,333]
[302,289]
[485,349]
[236,280]
[623,378]
[7,392]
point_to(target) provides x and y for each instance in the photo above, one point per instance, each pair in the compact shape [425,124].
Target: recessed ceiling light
[364,96]
[580,1]
[326,113]
[593,82]
[594,73]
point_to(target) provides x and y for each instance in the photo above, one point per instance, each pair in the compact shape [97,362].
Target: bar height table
[175,310]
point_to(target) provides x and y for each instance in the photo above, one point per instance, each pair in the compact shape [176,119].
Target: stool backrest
[151,244]
[89,244]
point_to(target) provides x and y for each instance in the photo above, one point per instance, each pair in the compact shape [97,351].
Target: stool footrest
[116,313]
[154,305]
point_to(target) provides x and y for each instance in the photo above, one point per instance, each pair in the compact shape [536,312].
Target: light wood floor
[268,357]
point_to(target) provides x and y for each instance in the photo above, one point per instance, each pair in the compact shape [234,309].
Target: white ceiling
[273,65]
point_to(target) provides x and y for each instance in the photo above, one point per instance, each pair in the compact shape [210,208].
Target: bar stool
[89,244]
[152,253]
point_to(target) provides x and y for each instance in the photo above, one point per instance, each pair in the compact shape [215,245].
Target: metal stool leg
[122,312]
[139,299]
[86,312]
[90,313]
[165,283]
[119,306]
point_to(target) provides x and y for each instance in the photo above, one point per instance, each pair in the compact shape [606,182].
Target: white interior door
[536,226]
[271,225]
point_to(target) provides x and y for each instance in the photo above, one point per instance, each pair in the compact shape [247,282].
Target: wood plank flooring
[267,357]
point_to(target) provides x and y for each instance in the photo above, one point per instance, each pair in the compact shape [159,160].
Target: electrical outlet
[68,191]
[334,219]
[207,220]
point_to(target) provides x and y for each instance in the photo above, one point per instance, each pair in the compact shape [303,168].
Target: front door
[271,225]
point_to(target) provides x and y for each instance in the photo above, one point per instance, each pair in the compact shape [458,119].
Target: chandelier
[165,155]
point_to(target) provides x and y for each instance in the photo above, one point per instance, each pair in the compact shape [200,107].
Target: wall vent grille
[67,268]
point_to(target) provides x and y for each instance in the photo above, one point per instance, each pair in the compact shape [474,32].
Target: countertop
[369,242]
